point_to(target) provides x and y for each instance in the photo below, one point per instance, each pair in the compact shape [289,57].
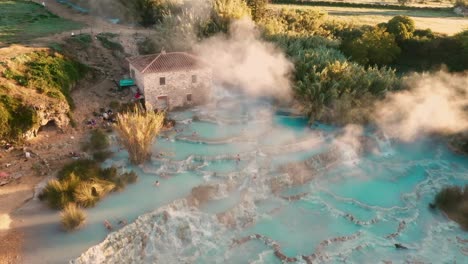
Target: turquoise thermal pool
[299,194]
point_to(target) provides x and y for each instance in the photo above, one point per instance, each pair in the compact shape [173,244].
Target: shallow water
[367,201]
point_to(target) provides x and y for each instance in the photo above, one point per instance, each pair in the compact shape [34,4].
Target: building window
[162,81]
[132,74]
[194,78]
[189,97]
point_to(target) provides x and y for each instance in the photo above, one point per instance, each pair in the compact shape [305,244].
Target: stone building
[171,80]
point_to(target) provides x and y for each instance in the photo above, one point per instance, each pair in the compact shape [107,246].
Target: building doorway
[162,102]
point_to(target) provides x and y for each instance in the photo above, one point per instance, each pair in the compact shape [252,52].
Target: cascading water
[289,194]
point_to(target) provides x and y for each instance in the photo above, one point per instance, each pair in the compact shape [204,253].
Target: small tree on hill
[137,131]
[402,27]
[374,47]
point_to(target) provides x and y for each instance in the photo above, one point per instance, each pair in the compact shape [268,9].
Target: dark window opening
[194,78]
[162,81]
[189,97]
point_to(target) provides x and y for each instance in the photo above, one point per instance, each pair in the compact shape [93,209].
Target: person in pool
[108,225]
[156,183]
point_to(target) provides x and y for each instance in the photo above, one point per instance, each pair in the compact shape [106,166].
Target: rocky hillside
[35,87]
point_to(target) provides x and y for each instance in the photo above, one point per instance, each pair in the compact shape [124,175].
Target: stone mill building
[171,80]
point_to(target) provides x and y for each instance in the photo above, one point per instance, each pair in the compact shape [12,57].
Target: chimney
[163,51]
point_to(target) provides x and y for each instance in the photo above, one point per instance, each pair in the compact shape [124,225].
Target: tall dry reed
[137,130]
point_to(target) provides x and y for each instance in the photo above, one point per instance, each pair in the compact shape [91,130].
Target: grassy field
[23,20]
[439,21]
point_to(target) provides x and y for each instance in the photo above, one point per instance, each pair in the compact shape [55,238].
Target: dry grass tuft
[72,217]
[138,130]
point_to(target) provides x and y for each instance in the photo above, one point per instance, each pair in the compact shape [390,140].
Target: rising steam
[436,103]
[243,60]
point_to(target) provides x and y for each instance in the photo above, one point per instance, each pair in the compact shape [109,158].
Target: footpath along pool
[240,183]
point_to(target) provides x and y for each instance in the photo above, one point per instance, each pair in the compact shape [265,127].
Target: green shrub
[104,38]
[72,217]
[402,27]
[453,200]
[101,155]
[373,47]
[129,177]
[84,169]
[98,140]
[59,193]
[16,117]
[110,174]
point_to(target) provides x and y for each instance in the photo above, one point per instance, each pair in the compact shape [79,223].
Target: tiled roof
[166,62]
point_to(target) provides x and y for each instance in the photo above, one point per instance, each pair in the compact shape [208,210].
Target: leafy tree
[374,47]
[402,27]
[258,8]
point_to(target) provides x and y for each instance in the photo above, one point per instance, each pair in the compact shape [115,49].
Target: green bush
[330,87]
[129,177]
[104,38]
[453,200]
[72,217]
[16,118]
[84,169]
[84,182]
[59,193]
[98,140]
[402,27]
[373,47]
[102,155]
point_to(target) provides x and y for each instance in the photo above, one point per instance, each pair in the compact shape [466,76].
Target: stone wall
[177,86]
[138,78]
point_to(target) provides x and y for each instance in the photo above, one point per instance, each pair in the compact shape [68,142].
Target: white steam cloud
[437,103]
[243,60]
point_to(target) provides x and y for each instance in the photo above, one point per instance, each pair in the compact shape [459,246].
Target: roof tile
[164,62]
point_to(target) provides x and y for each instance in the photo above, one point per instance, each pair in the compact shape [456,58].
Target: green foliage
[426,53]
[98,140]
[453,200]
[72,217]
[129,177]
[84,182]
[16,118]
[402,27]
[48,72]
[83,40]
[373,47]
[329,87]
[102,155]
[85,169]
[105,39]
[24,20]
[59,193]
[258,8]
[294,22]
[225,11]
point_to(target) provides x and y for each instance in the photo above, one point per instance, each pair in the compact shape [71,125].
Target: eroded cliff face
[35,87]
[48,112]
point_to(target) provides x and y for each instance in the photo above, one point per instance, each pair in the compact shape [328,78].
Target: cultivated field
[25,20]
[439,21]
